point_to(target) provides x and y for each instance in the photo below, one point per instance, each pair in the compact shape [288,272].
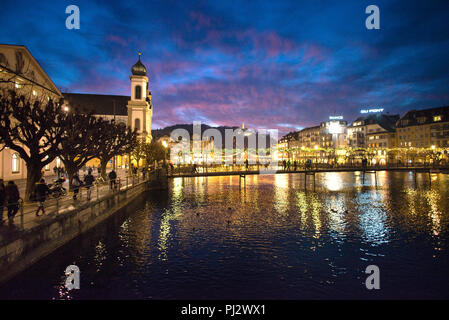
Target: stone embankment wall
[22,249]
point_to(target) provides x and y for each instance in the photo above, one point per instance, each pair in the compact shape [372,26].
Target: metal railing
[25,216]
[189,170]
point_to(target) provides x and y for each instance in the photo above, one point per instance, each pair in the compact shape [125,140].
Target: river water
[267,238]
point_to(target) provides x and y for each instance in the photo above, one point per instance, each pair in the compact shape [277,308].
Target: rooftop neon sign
[335,117]
[372,110]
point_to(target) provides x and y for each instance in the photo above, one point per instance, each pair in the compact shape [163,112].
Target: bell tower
[140,108]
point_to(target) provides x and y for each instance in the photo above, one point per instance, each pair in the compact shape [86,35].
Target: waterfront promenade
[26,218]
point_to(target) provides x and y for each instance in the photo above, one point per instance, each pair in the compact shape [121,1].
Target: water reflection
[269,237]
[281,192]
[333,181]
[372,218]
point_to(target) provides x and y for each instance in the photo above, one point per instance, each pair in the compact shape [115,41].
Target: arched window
[138,92]
[137,124]
[15,163]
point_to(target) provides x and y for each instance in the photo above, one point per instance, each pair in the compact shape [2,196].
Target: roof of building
[424,116]
[98,104]
[386,121]
[310,129]
[4,64]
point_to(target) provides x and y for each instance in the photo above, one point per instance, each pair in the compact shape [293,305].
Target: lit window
[15,163]
[34,92]
[436,118]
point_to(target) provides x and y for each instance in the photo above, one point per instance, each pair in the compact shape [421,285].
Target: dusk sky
[269,64]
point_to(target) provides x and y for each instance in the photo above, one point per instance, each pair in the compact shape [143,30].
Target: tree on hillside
[116,140]
[33,130]
[80,141]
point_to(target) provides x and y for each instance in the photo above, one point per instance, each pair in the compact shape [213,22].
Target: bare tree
[33,130]
[115,140]
[80,141]
[138,152]
[154,151]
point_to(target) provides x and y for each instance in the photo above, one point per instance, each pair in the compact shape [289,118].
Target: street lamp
[165,144]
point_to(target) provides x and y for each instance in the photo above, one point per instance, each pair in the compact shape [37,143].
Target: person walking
[12,198]
[42,191]
[88,182]
[112,176]
[76,184]
[2,199]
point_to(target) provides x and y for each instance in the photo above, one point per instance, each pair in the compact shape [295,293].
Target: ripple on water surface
[270,237]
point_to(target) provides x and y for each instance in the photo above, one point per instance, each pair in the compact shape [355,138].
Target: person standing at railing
[76,184]
[41,195]
[12,198]
[112,176]
[88,182]
[2,199]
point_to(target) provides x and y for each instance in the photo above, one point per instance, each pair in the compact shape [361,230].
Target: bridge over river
[242,171]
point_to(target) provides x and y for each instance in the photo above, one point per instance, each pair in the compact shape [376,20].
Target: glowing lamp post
[165,145]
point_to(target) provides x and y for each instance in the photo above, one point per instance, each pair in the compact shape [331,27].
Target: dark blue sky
[269,64]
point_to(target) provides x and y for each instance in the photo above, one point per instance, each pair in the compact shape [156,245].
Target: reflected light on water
[270,239]
[372,218]
[332,181]
[281,192]
[336,211]
[434,212]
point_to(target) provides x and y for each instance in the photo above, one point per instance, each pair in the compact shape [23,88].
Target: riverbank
[22,247]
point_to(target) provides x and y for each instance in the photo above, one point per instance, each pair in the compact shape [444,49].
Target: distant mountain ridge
[158,133]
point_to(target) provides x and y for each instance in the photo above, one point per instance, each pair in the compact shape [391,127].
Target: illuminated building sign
[335,117]
[371,110]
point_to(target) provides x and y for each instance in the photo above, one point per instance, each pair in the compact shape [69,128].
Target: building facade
[20,71]
[424,128]
[373,131]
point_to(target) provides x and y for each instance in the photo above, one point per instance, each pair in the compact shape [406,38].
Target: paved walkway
[54,206]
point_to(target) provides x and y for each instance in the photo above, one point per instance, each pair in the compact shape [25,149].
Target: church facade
[20,71]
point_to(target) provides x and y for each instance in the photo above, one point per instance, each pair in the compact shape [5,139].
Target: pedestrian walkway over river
[242,171]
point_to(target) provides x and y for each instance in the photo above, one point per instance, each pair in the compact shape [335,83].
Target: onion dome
[139,69]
